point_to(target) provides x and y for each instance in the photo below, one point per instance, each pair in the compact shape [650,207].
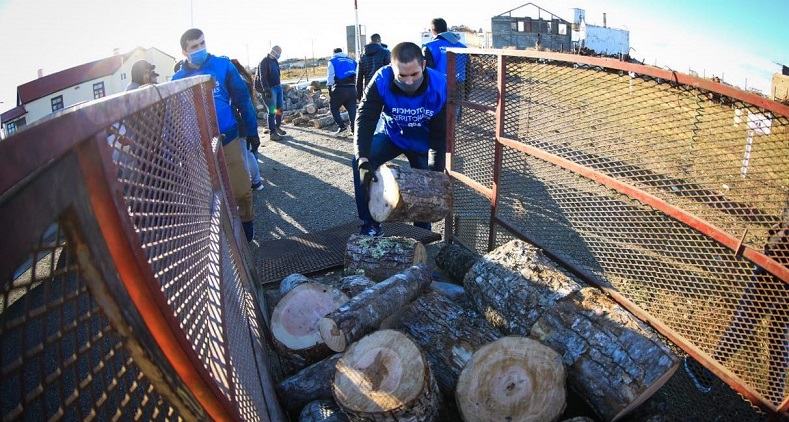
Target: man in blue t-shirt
[230,93]
[341,80]
[410,101]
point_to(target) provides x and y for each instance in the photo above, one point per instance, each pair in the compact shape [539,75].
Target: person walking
[375,56]
[230,91]
[341,80]
[250,155]
[410,99]
[269,84]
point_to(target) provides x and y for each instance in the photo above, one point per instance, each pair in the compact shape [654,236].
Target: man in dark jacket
[375,57]
[269,75]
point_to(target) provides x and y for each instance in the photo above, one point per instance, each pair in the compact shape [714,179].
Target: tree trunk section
[406,194]
[365,312]
[514,284]
[321,122]
[294,323]
[456,261]
[290,282]
[512,379]
[615,361]
[379,258]
[385,377]
[448,334]
[322,411]
[310,384]
[352,285]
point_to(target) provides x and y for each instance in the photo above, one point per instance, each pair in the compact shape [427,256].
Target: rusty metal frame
[735,244]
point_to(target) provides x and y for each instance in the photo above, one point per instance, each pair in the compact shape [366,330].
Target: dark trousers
[343,95]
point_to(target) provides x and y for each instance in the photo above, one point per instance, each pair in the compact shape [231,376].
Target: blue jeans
[382,150]
[274,105]
[251,162]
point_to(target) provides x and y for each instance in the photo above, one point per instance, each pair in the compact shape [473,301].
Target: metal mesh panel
[59,357]
[179,215]
[722,161]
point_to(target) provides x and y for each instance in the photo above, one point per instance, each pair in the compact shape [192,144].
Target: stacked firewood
[388,342]
[305,106]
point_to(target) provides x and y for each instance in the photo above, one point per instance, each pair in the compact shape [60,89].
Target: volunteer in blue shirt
[230,89]
[411,102]
[341,80]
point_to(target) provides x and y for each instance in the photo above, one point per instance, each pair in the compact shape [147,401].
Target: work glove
[367,175]
[267,94]
[253,142]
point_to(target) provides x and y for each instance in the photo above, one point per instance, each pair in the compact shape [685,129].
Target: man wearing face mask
[411,102]
[269,84]
[230,92]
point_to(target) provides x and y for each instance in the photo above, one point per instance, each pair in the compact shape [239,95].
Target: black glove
[367,175]
[267,94]
[253,143]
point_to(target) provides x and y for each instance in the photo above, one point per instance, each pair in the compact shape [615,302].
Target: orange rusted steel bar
[498,150]
[678,214]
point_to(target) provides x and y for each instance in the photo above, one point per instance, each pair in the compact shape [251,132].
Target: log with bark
[448,334]
[321,122]
[288,283]
[365,312]
[406,194]
[385,377]
[456,261]
[310,384]
[379,258]
[514,284]
[294,323]
[512,379]
[322,411]
[354,284]
[615,361]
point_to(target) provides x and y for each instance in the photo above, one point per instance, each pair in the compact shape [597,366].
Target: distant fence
[660,187]
[126,292]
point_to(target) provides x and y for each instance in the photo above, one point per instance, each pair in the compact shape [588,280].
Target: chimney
[40,73]
[604,20]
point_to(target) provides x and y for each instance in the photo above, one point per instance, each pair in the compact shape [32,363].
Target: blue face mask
[276,56]
[198,57]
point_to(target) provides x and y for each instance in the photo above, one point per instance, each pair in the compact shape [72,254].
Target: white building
[601,39]
[47,94]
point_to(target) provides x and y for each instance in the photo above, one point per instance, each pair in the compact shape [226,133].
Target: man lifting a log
[410,102]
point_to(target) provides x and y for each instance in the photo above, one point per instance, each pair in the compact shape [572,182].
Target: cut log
[515,284]
[615,361]
[310,384]
[448,334]
[320,122]
[456,261]
[322,411]
[310,109]
[406,194]
[512,379]
[352,285]
[385,377]
[365,311]
[288,283]
[294,323]
[379,258]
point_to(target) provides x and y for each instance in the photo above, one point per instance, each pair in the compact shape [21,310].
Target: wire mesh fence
[668,189]
[127,295]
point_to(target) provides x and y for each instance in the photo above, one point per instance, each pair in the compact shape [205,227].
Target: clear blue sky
[732,39]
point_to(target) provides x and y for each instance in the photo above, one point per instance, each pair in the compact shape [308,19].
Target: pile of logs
[306,106]
[398,348]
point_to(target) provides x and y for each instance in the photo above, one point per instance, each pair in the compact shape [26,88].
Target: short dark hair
[189,35]
[439,25]
[338,50]
[375,38]
[406,52]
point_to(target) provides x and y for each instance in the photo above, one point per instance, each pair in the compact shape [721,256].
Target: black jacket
[375,57]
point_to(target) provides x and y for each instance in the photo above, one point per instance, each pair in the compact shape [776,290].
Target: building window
[15,125]
[123,75]
[98,90]
[57,103]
